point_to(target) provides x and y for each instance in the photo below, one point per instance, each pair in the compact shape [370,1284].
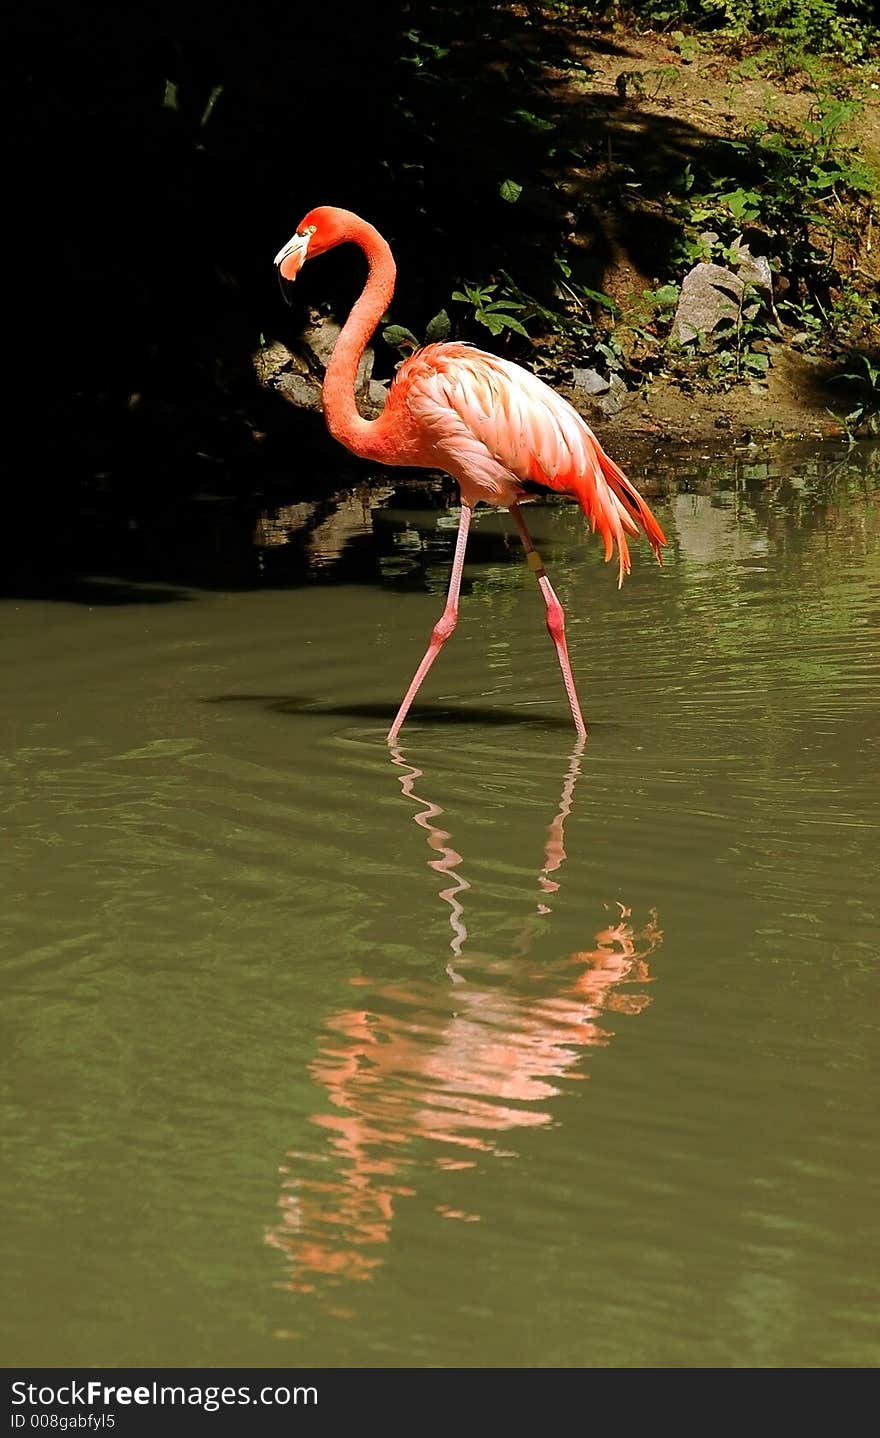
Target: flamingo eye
[309,230]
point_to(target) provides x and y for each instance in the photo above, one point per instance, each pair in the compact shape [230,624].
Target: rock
[617,397]
[710,296]
[270,360]
[317,339]
[278,368]
[300,390]
[753,269]
[297,374]
[589,381]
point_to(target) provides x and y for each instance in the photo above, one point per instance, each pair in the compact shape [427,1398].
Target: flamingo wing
[486,420]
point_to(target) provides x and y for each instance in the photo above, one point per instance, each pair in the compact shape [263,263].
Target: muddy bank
[798,402]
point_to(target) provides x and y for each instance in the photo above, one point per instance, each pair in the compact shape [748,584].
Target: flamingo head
[319,231]
[292,256]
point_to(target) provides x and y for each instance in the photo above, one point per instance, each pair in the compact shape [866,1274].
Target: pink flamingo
[497,429]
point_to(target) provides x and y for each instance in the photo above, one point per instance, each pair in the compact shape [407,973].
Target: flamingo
[497,429]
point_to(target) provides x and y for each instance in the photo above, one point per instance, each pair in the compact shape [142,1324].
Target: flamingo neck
[340,410]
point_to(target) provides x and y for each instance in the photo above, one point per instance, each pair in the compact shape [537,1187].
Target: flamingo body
[495,427]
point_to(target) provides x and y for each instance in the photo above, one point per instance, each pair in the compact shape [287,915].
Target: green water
[485,1051]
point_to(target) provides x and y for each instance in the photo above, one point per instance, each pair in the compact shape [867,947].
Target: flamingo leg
[555,619]
[444,626]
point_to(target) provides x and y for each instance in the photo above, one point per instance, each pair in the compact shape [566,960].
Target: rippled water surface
[486,1050]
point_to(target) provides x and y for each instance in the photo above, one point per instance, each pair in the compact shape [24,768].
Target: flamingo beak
[292,256]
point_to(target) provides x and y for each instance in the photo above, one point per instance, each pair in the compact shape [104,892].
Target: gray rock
[710,296]
[753,269]
[302,391]
[278,368]
[589,381]
[297,374]
[618,395]
[317,340]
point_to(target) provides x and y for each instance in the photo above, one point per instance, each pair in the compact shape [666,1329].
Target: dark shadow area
[420,714]
[207,542]
[98,593]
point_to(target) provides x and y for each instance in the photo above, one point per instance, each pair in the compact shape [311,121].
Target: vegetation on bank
[794,185]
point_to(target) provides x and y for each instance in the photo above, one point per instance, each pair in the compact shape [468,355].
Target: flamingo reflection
[454,1069]
[448,859]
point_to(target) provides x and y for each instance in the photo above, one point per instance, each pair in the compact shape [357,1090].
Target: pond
[491,1049]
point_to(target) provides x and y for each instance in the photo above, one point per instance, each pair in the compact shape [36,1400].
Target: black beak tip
[286,288]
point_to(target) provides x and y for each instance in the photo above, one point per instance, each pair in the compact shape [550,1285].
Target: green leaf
[399,337]
[756,363]
[473,295]
[743,204]
[510,323]
[510,191]
[610,356]
[439,328]
[209,107]
[169,99]
[687,47]
[599,298]
[495,323]
[534,122]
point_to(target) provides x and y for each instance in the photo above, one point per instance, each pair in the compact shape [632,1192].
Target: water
[484,1051]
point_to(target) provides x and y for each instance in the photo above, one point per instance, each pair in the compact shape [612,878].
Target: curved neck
[340,410]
